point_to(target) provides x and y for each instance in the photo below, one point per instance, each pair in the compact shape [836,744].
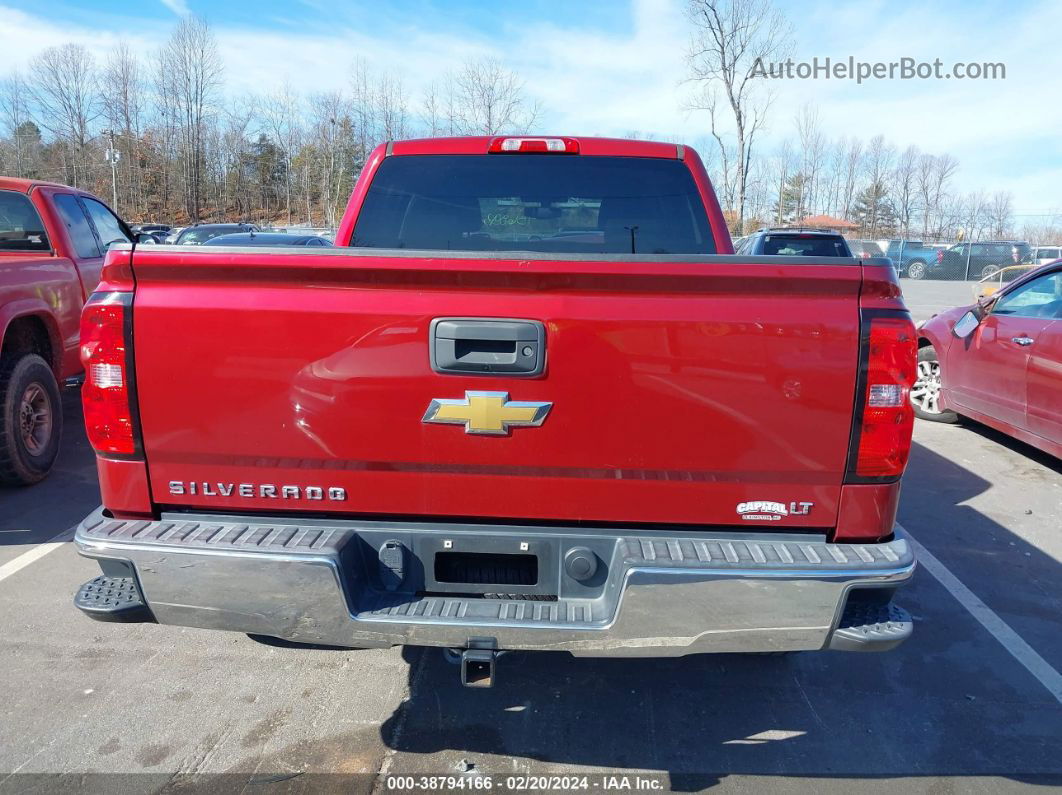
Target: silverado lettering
[179,488]
[622,381]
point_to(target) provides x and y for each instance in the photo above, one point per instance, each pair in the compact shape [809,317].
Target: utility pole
[112,157]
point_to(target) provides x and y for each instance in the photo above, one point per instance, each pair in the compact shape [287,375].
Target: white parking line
[997,627]
[35,554]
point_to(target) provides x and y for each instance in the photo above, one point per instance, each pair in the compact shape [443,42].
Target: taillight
[559,146]
[884,419]
[106,354]
[940,255]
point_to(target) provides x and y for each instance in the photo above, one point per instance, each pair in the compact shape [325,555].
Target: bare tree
[833,177]
[1043,233]
[330,112]
[878,159]
[760,192]
[363,108]
[853,168]
[812,148]
[15,115]
[905,187]
[944,169]
[785,169]
[234,193]
[281,114]
[924,186]
[391,106]
[192,70]
[729,38]
[975,212]
[65,90]
[380,108]
[296,155]
[121,90]
[933,175]
[439,110]
[1001,213]
[489,99]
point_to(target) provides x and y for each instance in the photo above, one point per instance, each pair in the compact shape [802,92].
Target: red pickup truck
[530,401]
[52,241]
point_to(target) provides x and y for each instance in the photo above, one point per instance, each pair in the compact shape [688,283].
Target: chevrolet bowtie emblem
[487,412]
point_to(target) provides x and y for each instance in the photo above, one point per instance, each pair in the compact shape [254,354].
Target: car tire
[31,419]
[989,270]
[916,269]
[925,395]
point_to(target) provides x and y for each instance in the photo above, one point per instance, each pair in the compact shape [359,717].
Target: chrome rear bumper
[656,594]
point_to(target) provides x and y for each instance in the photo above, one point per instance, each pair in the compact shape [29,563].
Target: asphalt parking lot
[972,703]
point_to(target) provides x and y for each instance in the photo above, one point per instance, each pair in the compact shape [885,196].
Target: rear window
[21,228]
[77,225]
[811,246]
[564,204]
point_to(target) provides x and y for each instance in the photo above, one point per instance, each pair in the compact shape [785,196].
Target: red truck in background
[530,401]
[52,242]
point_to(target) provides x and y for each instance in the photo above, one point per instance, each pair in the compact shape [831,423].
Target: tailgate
[676,390]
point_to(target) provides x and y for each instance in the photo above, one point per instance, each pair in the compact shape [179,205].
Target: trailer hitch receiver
[477,662]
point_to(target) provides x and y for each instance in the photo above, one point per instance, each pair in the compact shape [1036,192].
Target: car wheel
[31,419]
[916,270]
[988,270]
[925,394]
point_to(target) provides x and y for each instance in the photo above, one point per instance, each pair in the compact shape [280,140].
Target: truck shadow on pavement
[949,703]
[1003,440]
[37,513]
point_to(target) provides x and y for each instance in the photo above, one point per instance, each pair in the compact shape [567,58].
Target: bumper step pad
[115,599]
[871,627]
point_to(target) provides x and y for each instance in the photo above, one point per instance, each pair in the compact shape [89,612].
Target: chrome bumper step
[871,627]
[654,593]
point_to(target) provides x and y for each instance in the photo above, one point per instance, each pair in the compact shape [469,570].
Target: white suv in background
[1041,255]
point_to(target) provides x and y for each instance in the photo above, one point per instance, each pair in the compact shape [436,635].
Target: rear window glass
[813,246]
[77,225]
[21,228]
[107,225]
[565,204]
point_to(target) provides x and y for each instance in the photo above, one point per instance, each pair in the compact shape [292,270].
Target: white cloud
[178,7]
[24,36]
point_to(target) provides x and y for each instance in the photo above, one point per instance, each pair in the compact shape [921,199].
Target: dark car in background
[985,258]
[267,239]
[912,258]
[794,242]
[200,233]
[152,229]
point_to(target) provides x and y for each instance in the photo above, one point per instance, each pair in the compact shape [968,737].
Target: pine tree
[874,211]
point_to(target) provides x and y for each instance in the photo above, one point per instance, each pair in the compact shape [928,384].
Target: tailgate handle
[487,346]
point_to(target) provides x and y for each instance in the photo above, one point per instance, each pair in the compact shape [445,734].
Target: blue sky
[601,67]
